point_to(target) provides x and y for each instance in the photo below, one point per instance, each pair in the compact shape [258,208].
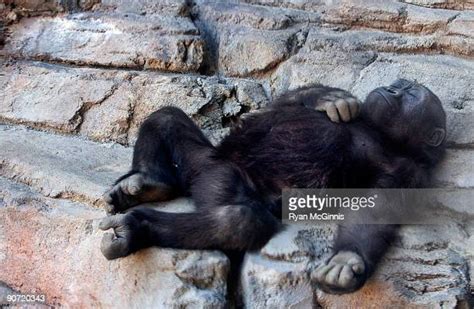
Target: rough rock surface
[117,40]
[111,104]
[49,246]
[61,167]
[88,72]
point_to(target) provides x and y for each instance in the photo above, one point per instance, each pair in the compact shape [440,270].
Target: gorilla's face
[408,112]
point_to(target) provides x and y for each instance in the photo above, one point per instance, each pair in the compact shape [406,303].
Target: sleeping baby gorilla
[394,143]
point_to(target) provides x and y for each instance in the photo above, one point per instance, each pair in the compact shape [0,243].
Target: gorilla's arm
[358,248]
[339,104]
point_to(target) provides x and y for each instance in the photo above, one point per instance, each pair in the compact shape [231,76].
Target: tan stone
[51,247]
[110,105]
[119,40]
[168,7]
[59,166]
[446,4]
[48,96]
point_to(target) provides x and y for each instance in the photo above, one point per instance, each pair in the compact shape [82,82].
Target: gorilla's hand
[125,238]
[339,105]
[345,272]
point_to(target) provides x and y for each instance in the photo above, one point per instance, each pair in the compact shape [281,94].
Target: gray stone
[422,270]
[469,247]
[206,100]
[421,20]
[381,41]
[366,39]
[108,119]
[110,105]
[34,7]
[314,5]
[244,53]
[278,276]
[226,13]
[388,15]
[460,127]
[235,50]
[51,96]
[446,4]
[457,169]
[425,268]
[463,25]
[42,5]
[385,14]
[118,40]
[248,40]
[275,284]
[52,247]
[5,291]
[321,60]
[59,166]
[300,242]
[142,7]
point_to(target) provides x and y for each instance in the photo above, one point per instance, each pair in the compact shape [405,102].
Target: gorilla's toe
[117,244]
[135,189]
[112,247]
[345,272]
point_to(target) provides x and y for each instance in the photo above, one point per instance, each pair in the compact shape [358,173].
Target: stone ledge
[426,268]
[35,7]
[110,105]
[51,246]
[245,40]
[457,169]
[61,167]
[155,42]
[147,7]
[387,15]
[444,4]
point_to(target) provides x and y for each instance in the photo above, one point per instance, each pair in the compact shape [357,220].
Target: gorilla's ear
[436,137]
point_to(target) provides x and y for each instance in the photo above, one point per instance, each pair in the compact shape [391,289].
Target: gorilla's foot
[136,189]
[124,240]
[345,272]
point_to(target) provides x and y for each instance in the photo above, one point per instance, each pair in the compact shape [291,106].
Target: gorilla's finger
[111,222]
[333,275]
[331,111]
[132,185]
[321,272]
[346,276]
[354,107]
[107,197]
[343,109]
[358,268]
[113,248]
[109,209]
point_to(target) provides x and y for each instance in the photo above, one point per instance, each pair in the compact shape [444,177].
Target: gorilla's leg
[358,249]
[229,216]
[169,150]
[232,227]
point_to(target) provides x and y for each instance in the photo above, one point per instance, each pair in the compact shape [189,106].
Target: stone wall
[77,77]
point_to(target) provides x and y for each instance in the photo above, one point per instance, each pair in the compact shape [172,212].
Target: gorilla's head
[409,114]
